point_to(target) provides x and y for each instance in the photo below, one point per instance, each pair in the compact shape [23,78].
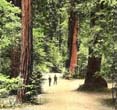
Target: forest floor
[64,96]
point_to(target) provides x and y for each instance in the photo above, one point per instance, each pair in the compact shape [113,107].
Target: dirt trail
[64,97]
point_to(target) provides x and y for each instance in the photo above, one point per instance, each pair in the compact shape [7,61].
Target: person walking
[50,80]
[55,79]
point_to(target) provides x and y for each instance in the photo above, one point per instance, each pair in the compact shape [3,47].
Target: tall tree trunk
[72,40]
[73,48]
[26,49]
[94,63]
[92,79]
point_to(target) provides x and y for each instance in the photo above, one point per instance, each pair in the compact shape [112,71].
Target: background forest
[96,39]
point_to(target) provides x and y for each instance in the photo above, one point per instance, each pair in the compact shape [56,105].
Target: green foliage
[9,33]
[52,18]
[49,36]
[9,23]
[46,54]
[8,84]
[34,87]
[9,37]
[103,28]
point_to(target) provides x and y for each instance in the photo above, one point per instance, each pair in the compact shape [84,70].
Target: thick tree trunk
[73,45]
[71,62]
[72,42]
[94,63]
[92,80]
[26,49]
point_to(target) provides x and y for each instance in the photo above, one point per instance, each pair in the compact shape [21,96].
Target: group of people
[50,80]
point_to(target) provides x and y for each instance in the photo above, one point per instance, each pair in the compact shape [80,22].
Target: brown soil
[64,97]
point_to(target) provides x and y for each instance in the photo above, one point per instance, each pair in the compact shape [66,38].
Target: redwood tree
[72,39]
[94,61]
[26,49]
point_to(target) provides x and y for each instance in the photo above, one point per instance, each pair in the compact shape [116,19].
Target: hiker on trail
[55,79]
[50,80]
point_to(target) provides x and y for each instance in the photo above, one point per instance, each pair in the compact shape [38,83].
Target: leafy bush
[34,88]
[8,84]
[9,33]
[47,55]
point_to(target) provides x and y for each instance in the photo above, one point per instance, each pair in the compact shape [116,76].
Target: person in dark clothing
[50,80]
[55,79]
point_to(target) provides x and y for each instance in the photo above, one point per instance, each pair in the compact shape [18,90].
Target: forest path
[64,97]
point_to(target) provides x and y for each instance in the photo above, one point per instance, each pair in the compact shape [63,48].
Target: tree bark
[26,49]
[73,45]
[94,63]
[92,79]
[72,40]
